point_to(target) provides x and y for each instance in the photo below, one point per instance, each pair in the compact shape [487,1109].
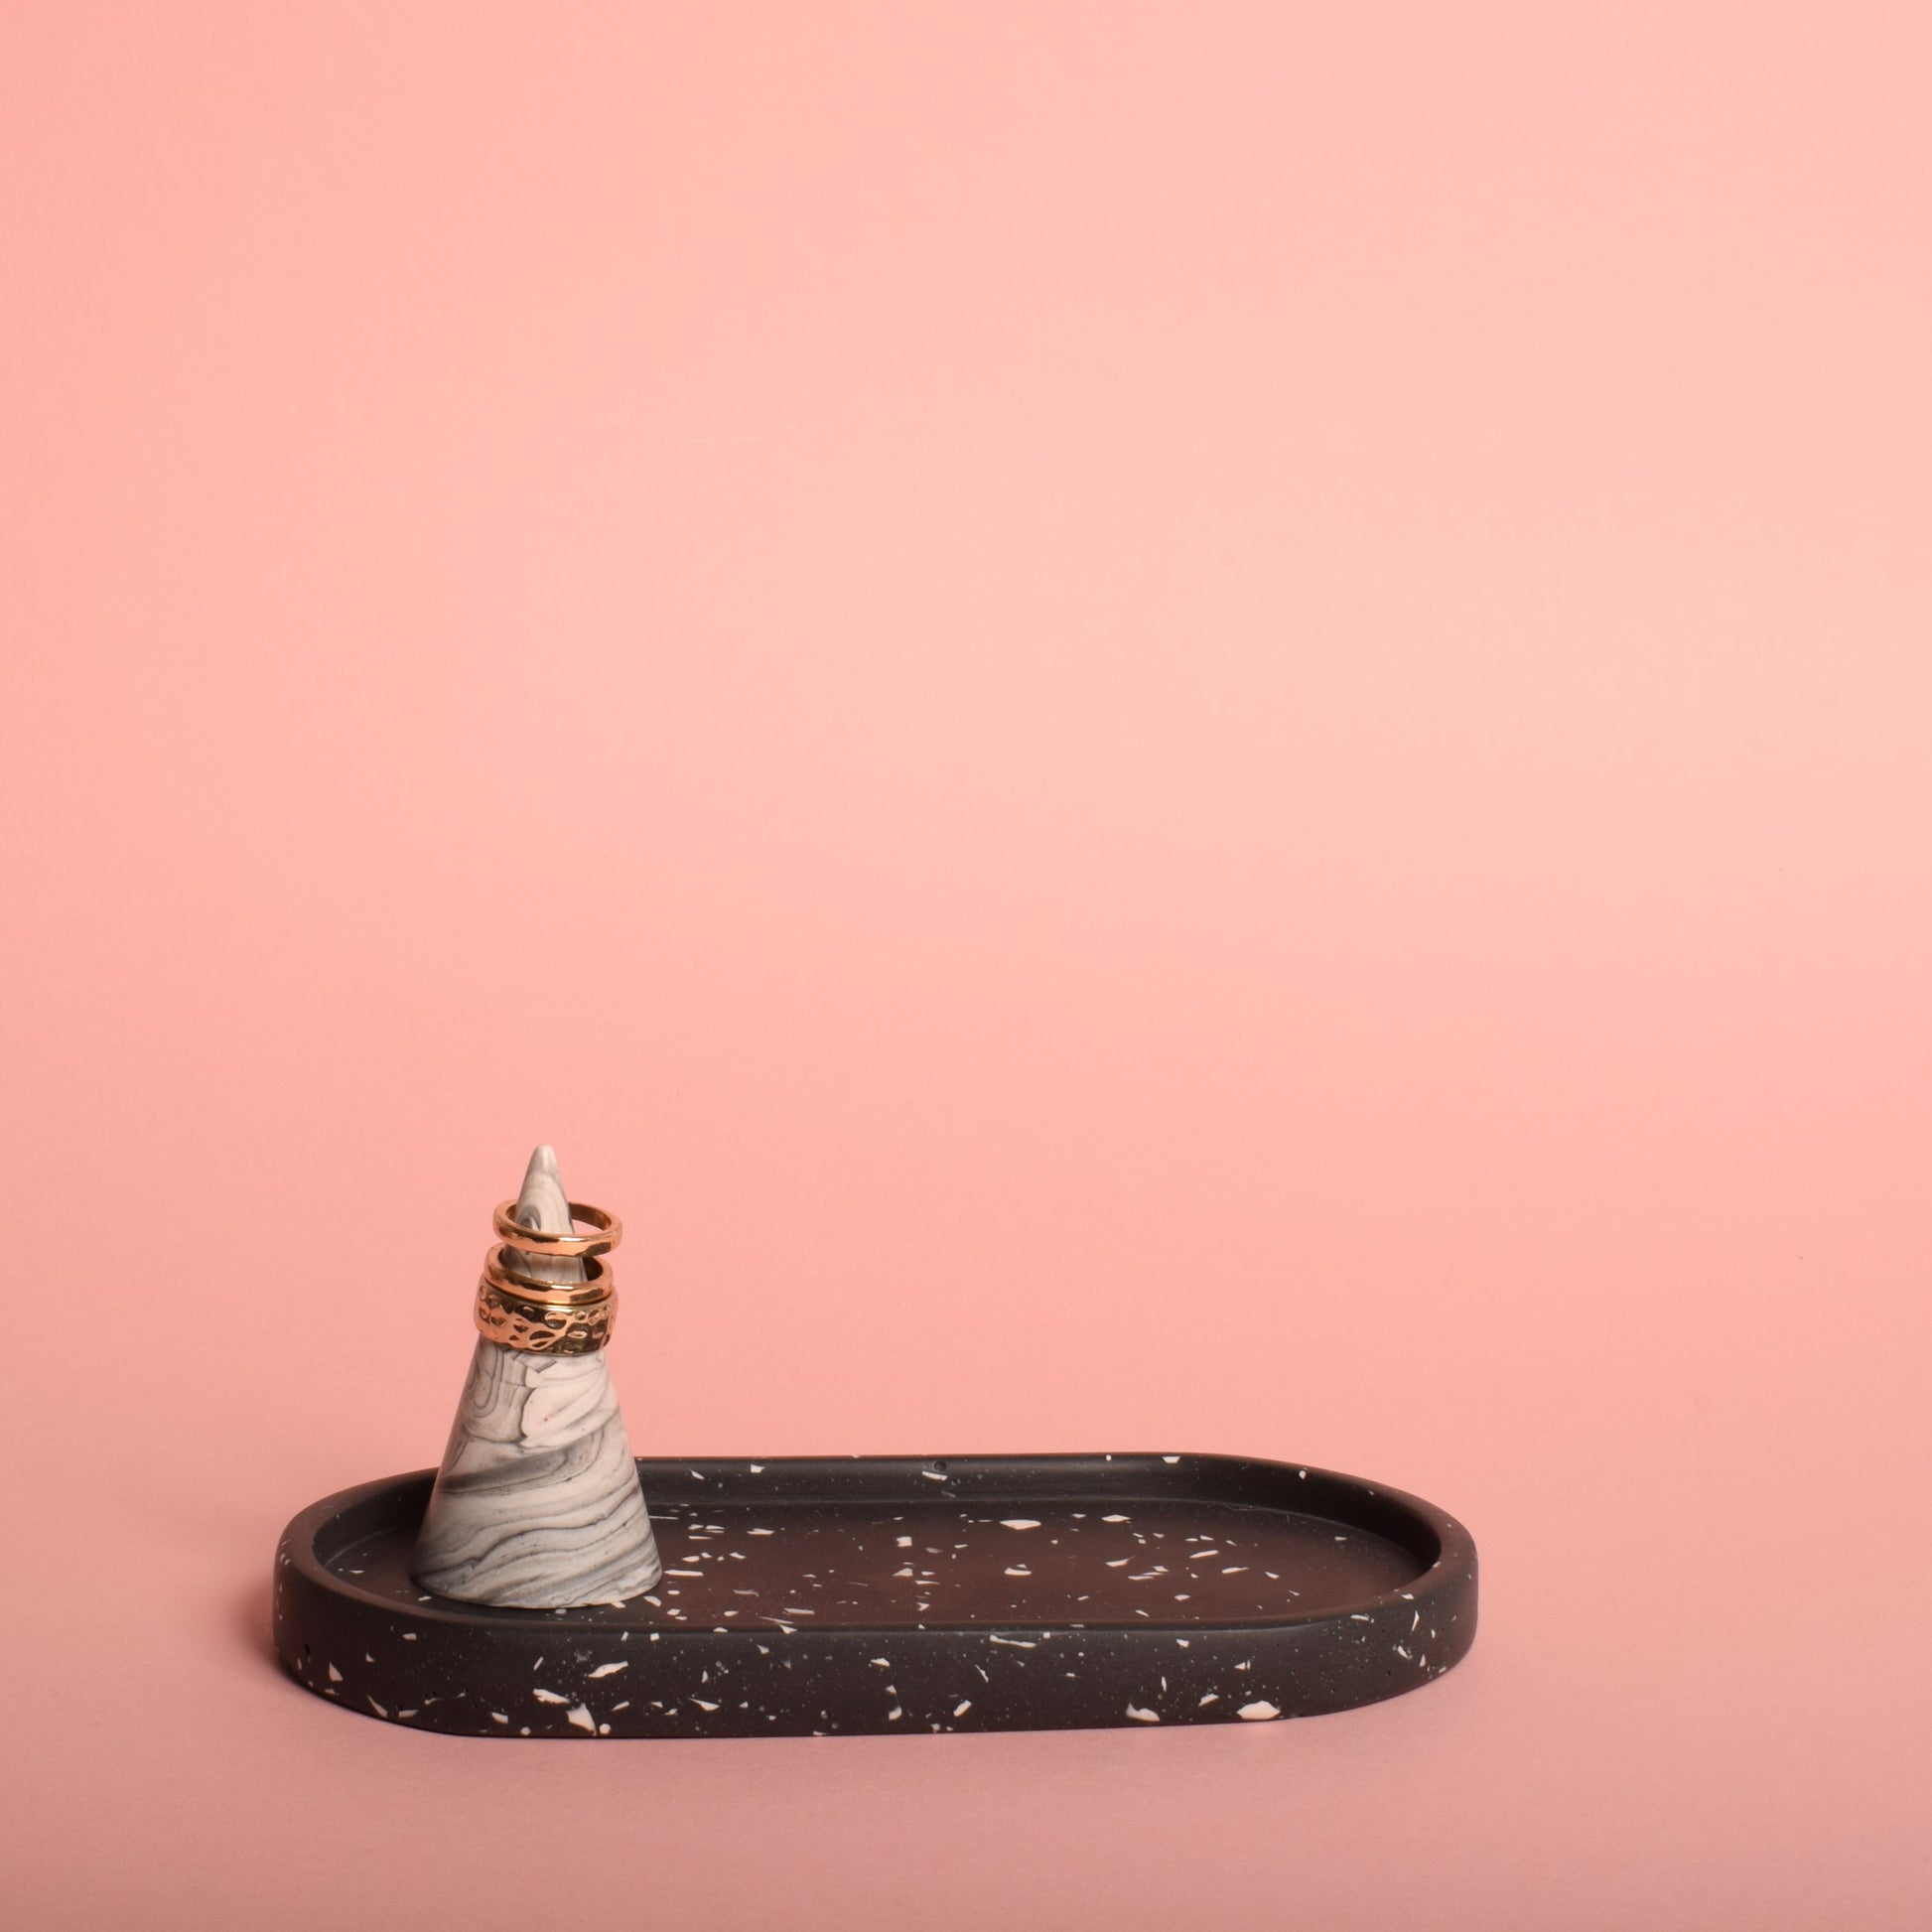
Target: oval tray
[813,1594]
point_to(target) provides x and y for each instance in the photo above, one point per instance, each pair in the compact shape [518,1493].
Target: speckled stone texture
[537,1504]
[890,1596]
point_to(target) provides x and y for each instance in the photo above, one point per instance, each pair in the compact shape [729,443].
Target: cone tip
[542,1203]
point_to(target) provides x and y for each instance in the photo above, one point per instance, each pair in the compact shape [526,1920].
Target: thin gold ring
[599,1284]
[567,1246]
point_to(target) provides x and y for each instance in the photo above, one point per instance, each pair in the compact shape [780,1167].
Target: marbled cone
[537,1505]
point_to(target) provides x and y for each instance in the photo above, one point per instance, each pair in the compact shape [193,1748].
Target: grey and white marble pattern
[537,1504]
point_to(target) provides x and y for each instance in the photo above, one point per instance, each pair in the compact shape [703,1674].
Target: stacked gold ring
[522,1311]
[562,1247]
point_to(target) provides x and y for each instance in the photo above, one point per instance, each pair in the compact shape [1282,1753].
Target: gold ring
[598,1285]
[542,1327]
[560,1247]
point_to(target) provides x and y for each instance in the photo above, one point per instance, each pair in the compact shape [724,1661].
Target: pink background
[1154,726]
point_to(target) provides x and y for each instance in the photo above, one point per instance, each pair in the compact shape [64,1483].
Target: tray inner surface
[944,1562]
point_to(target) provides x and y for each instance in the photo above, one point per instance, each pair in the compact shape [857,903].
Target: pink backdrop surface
[1154,727]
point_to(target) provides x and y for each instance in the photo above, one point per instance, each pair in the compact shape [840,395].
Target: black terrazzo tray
[890,1594]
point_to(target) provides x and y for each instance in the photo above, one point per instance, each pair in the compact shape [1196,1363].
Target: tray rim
[1454,1566]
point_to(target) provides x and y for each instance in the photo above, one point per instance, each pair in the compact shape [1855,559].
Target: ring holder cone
[537,1504]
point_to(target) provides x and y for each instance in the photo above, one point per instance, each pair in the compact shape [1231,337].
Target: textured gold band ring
[568,1246]
[506,1316]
